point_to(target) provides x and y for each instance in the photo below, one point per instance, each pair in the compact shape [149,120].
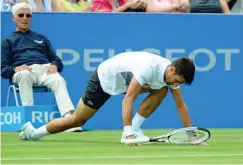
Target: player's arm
[181,107]
[127,104]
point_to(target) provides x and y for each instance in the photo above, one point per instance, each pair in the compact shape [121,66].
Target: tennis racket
[183,136]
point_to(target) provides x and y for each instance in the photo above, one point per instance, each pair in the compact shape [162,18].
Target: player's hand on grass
[203,144]
[132,137]
[128,135]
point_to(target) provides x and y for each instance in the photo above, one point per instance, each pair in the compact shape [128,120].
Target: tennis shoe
[28,131]
[23,136]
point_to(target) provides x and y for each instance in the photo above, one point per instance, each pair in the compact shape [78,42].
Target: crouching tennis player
[131,73]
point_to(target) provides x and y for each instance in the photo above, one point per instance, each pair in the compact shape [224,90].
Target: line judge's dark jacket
[26,48]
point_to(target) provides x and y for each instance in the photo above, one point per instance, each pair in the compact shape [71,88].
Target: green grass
[93,147]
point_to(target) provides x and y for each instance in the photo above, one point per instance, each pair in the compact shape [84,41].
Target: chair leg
[8,96]
[15,96]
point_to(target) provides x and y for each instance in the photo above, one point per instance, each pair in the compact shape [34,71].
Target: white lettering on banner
[152,50]
[73,53]
[88,59]
[228,53]
[211,56]
[43,116]
[36,115]
[10,118]
[111,53]
[2,118]
[169,53]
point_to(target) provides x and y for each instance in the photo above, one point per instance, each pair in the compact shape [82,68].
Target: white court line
[125,157]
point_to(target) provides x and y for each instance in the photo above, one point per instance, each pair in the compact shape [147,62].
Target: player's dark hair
[186,68]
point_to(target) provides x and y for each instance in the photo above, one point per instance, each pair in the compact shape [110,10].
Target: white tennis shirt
[148,69]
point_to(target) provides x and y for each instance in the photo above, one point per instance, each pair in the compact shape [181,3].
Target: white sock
[40,132]
[137,121]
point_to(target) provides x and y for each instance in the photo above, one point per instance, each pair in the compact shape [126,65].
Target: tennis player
[129,73]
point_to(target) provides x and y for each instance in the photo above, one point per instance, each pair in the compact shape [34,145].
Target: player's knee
[70,122]
[76,121]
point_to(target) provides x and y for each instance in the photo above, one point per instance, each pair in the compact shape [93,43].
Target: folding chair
[14,87]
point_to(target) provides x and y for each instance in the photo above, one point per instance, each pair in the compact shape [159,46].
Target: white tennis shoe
[22,136]
[27,132]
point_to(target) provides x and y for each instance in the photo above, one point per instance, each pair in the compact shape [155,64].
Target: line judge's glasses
[26,15]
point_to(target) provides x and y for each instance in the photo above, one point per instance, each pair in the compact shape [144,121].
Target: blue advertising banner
[214,42]
[12,118]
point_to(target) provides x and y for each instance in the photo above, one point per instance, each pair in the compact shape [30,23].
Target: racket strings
[184,138]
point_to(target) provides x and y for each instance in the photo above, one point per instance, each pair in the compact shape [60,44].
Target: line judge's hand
[23,67]
[51,69]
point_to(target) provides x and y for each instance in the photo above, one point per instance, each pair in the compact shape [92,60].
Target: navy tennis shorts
[94,96]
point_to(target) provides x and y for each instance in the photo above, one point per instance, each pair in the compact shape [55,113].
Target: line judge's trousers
[38,76]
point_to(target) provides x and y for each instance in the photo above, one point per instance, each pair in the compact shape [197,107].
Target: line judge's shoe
[75,129]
